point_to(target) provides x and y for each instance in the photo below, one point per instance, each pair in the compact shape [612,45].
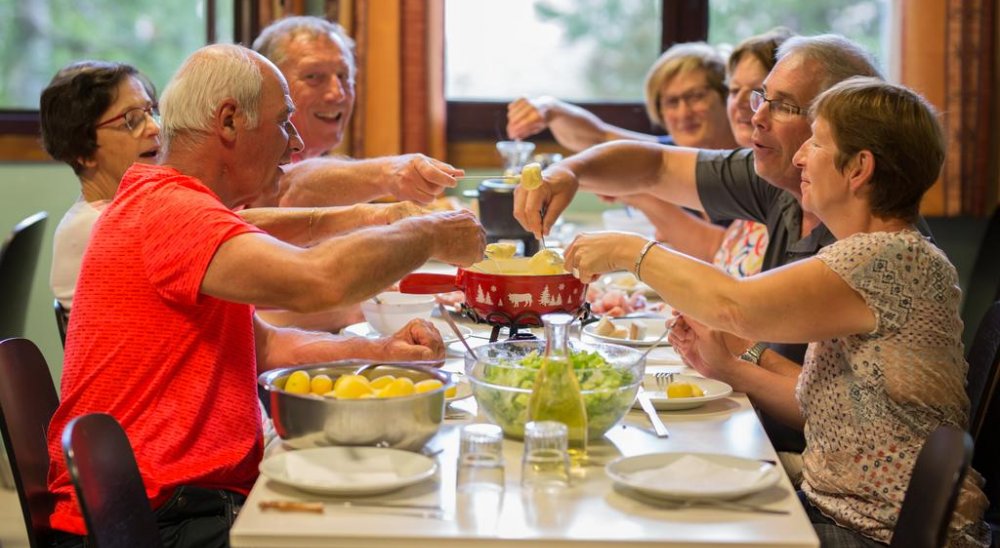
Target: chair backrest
[108,486]
[987,458]
[930,497]
[62,319]
[18,259]
[27,402]
[984,366]
[983,286]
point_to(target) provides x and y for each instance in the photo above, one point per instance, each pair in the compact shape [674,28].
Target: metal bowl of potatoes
[304,420]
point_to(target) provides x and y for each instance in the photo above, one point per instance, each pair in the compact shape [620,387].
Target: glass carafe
[556,394]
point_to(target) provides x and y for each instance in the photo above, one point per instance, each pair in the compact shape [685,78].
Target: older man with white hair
[163,335]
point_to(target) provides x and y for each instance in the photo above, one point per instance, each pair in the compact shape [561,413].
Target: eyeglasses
[691,98]
[135,118]
[780,110]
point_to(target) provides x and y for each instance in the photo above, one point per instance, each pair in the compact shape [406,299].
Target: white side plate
[348,470]
[712,388]
[686,476]
[364,329]
[654,328]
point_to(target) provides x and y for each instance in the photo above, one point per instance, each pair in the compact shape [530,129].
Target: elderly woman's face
[127,134]
[822,184]
[748,75]
[693,112]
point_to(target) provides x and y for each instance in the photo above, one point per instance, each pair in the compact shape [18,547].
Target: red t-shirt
[176,368]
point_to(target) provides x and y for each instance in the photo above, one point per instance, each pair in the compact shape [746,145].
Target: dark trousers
[192,518]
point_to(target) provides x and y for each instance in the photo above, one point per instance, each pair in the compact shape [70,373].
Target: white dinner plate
[364,329]
[654,328]
[713,389]
[686,476]
[348,470]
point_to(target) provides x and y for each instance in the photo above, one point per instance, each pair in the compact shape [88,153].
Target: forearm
[306,226]
[623,168]
[779,365]
[772,393]
[685,232]
[283,347]
[332,182]
[578,129]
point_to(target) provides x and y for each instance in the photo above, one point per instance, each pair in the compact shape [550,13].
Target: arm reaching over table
[341,270]
[705,350]
[418,340]
[621,168]
[306,226]
[339,181]
[573,127]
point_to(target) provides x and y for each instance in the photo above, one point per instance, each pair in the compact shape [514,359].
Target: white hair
[208,77]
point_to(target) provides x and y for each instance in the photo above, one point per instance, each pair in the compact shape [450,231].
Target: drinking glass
[480,480]
[545,466]
[515,154]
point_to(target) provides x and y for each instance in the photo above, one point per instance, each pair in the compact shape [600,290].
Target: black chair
[984,280]
[108,485]
[62,319]
[987,457]
[984,367]
[27,402]
[930,497]
[18,259]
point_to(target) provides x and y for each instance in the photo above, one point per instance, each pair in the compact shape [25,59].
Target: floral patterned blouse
[871,400]
[741,253]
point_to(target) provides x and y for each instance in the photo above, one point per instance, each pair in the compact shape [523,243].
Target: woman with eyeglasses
[99,118]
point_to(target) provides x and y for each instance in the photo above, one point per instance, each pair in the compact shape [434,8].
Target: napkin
[693,473]
[373,470]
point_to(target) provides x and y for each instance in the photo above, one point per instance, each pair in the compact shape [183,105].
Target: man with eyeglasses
[760,183]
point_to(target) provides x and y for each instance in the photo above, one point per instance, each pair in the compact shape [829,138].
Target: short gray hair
[275,37]
[838,57]
[209,76]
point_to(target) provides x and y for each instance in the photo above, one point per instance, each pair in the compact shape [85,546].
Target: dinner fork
[663,379]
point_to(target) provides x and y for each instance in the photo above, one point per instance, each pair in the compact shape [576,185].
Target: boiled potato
[321,384]
[378,383]
[684,390]
[531,176]
[298,383]
[351,387]
[427,385]
[500,250]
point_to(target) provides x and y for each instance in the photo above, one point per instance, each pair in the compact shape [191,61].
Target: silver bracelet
[642,255]
[753,353]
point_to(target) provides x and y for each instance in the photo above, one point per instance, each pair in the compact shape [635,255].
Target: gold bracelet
[642,255]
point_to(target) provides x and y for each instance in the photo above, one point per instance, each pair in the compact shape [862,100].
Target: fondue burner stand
[526,320]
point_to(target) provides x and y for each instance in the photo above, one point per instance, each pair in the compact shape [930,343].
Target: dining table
[591,511]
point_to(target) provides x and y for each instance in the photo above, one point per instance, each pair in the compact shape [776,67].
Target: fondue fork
[458,332]
[484,177]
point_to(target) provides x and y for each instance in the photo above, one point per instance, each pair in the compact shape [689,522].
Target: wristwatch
[753,353]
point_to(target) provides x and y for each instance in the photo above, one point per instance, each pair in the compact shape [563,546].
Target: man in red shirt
[163,335]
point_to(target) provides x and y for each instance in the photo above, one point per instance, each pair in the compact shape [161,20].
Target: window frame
[681,21]
[25,122]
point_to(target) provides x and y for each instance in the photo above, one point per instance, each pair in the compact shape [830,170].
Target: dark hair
[762,47]
[900,129]
[73,102]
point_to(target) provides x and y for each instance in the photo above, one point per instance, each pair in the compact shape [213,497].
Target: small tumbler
[545,465]
[480,479]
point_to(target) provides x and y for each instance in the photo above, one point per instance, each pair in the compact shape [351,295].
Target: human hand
[526,117]
[418,340]
[419,178]
[594,253]
[704,349]
[457,236]
[559,185]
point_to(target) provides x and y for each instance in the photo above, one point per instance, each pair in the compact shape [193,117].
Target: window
[596,52]
[41,36]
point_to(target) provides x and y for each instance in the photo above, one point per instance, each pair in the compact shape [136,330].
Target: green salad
[606,391]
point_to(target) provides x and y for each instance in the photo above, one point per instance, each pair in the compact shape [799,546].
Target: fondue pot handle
[422,283]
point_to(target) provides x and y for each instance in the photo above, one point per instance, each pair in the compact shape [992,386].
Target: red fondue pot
[505,298]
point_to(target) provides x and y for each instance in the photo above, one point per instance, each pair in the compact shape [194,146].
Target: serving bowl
[406,422]
[502,386]
[394,310]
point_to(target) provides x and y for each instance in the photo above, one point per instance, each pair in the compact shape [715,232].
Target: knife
[654,419]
